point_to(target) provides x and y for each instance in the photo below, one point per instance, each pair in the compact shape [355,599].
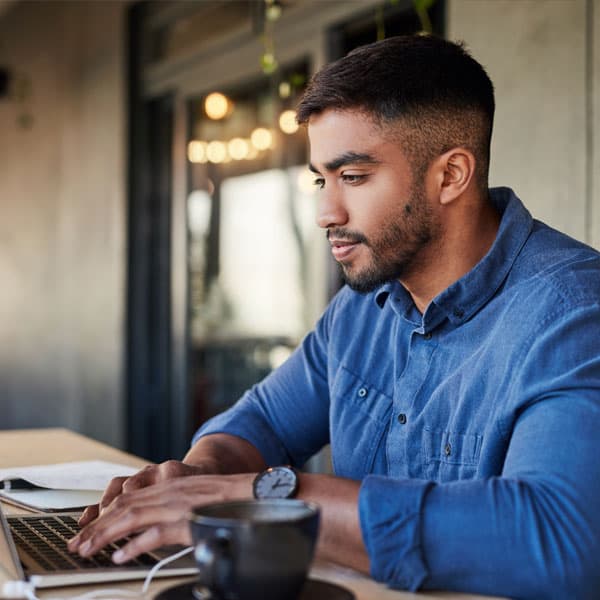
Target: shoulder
[554,265]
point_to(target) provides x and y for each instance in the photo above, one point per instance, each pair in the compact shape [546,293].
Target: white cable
[117,593]
[29,591]
[114,594]
[161,564]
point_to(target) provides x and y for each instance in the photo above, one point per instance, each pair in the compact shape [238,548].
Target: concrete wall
[62,219]
[540,55]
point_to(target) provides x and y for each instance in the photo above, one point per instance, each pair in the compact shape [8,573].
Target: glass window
[251,214]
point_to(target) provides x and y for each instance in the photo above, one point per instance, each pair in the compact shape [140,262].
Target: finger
[146,477]
[162,534]
[118,485]
[167,501]
[121,520]
[114,488]
[88,515]
[175,468]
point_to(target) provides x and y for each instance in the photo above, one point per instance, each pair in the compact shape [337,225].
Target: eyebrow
[348,158]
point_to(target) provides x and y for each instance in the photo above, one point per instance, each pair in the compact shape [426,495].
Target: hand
[160,511]
[149,475]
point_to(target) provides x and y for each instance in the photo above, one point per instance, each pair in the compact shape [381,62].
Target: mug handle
[215,560]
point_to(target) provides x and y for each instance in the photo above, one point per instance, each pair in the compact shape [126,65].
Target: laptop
[33,550]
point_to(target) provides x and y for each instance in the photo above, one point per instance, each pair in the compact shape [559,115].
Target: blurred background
[158,253]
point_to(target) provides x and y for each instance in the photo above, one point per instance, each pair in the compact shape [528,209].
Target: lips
[342,249]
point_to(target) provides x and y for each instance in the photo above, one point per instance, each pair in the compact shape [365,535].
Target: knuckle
[116,482]
[172,467]
[129,484]
[120,502]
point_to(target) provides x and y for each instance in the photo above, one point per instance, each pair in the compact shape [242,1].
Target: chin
[371,279]
[364,284]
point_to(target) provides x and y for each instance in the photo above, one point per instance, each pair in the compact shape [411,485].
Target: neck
[467,231]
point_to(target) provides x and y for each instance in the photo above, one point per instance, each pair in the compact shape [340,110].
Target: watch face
[276,482]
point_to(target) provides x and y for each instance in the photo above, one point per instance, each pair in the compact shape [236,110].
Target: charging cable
[20,589]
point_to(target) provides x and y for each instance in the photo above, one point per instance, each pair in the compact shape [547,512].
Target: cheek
[376,202]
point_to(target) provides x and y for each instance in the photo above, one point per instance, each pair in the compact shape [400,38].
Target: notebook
[33,549]
[59,487]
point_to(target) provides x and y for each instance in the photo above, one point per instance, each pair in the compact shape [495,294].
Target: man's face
[379,221]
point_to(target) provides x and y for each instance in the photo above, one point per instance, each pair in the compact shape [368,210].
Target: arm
[531,532]
[261,429]
[160,512]
[340,538]
[221,453]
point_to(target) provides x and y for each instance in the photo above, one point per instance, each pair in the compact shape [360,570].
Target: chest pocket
[450,456]
[359,418]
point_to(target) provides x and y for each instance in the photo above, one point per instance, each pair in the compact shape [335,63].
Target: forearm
[340,538]
[225,454]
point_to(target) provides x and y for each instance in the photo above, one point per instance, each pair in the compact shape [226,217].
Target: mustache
[346,235]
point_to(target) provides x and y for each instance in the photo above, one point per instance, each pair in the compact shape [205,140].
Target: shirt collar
[465,297]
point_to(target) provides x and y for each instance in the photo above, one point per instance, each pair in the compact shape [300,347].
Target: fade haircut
[433,91]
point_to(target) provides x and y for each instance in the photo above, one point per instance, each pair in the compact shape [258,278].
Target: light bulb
[216,106]
[216,152]
[238,148]
[196,151]
[261,138]
[287,122]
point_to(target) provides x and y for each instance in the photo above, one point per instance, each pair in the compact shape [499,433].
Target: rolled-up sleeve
[390,517]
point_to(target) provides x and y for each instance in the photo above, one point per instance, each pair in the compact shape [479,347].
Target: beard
[396,250]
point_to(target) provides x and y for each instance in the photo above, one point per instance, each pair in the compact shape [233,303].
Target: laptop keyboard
[45,540]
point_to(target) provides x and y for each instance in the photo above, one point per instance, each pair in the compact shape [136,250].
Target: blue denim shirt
[473,427]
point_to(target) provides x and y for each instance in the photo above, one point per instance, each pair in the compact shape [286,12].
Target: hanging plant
[272,12]
[421,7]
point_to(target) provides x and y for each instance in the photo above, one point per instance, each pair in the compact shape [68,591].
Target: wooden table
[41,446]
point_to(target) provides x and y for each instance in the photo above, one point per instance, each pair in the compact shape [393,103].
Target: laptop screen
[10,564]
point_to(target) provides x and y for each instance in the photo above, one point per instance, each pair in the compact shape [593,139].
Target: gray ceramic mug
[253,549]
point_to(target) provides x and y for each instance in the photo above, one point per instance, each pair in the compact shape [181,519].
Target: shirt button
[362,392]
[459,313]
[402,419]
[448,450]
[428,335]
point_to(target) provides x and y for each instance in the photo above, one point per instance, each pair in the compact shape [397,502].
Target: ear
[454,171]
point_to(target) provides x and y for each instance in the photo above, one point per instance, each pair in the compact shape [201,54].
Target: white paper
[51,500]
[83,475]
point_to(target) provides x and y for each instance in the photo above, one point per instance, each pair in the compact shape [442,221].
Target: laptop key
[45,540]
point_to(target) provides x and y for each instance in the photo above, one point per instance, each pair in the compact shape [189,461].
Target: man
[457,376]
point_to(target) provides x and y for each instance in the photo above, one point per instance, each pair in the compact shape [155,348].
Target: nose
[331,211]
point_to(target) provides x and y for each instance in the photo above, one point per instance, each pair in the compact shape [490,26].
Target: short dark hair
[432,86]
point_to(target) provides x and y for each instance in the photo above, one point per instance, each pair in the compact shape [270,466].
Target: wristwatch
[276,482]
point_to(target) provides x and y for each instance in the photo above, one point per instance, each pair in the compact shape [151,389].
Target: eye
[319,182]
[353,179]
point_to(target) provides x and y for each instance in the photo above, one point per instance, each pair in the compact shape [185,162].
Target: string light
[285,89]
[287,122]
[216,152]
[238,148]
[261,138]
[197,151]
[216,106]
